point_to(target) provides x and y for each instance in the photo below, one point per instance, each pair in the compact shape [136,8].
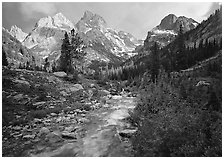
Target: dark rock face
[172,22]
[168,22]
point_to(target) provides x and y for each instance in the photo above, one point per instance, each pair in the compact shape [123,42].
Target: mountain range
[102,42]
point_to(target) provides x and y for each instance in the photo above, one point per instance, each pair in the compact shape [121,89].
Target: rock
[17,128]
[67,135]
[22,82]
[76,88]
[54,137]
[116,97]
[83,120]
[39,103]
[64,93]
[53,114]
[202,83]
[69,129]
[29,136]
[83,115]
[38,121]
[92,85]
[127,133]
[60,74]
[18,97]
[18,116]
[104,92]
[27,142]
[44,130]
[40,147]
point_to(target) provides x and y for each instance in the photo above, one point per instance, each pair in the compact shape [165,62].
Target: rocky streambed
[102,132]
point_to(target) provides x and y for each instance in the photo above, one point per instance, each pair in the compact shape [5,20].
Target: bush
[171,124]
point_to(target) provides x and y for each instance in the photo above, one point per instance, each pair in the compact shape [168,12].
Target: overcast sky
[135,18]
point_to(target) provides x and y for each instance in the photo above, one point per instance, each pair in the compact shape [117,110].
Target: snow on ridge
[157,31]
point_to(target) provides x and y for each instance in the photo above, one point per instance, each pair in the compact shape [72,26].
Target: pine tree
[4,59]
[77,54]
[155,62]
[181,56]
[65,54]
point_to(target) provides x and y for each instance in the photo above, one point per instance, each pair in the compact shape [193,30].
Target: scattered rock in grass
[69,129]
[67,135]
[53,114]
[83,120]
[22,82]
[76,88]
[37,121]
[38,103]
[64,93]
[18,97]
[29,136]
[127,133]
[54,137]
[44,130]
[17,128]
[60,74]
[104,92]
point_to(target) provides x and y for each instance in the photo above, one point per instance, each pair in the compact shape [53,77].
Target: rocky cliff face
[18,33]
[16,53]
[172,22]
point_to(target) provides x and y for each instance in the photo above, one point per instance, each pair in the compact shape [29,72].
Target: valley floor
[66,122]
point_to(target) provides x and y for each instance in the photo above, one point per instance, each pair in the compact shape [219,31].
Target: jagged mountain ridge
[18,33]
[16,53]
[103,43]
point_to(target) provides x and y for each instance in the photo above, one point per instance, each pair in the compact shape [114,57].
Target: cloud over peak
[29,10]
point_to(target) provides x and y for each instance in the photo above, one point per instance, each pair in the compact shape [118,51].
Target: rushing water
[102,134]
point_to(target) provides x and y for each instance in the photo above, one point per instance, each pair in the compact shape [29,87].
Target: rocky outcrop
[18,33]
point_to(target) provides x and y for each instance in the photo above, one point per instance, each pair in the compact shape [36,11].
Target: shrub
[174,124]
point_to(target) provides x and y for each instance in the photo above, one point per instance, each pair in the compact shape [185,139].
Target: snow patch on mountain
[18,33]
[157,31]
[57,21]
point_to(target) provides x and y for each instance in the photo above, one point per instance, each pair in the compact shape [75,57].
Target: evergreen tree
[77,54]
[65,54]
[155,62]
[4,59]
[181,56]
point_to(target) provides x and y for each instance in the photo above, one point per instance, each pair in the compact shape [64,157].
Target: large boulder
[76,88]
[60,74]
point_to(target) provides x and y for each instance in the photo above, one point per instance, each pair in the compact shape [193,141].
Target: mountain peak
[88,14]
[168,21]
[17,33]
[57,21]
[172,22]
[59,16]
